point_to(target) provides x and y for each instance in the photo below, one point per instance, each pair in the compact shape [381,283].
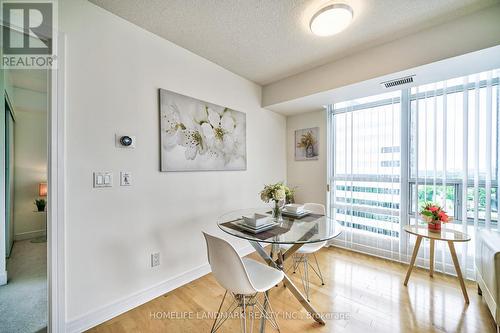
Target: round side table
[448,235]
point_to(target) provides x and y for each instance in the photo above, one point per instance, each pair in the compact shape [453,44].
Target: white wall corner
[127,303]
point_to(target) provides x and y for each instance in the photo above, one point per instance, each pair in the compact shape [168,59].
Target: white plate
[304,213]
[271,222]
[256,220]
[256,231]
[292,208]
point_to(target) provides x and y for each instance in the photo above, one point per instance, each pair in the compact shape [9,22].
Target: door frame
[56,202]
[10,111]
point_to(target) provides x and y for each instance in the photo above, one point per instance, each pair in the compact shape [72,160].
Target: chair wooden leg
[413,258]
[431,259]
[479,291]
[457,269]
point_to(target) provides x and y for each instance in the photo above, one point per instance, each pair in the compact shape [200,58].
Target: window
[440,138]
[365,183]
[390,153]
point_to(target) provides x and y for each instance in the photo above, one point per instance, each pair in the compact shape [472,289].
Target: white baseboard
[127,303]
[3,278]
[29,234]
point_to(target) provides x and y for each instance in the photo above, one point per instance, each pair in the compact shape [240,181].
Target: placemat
[308,218]
[275,231]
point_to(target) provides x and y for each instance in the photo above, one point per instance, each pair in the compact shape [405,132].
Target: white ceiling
[267,40]
[466,64]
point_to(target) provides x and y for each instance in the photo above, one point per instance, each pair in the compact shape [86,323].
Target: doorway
[24,305]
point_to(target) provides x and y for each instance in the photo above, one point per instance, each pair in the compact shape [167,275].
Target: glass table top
[445,234]
[312,228]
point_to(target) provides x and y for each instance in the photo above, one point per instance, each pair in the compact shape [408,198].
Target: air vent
[398,82]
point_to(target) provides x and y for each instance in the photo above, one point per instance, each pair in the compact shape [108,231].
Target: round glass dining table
[295,231]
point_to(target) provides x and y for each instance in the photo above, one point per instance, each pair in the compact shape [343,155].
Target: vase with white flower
[275,193]
[434,215]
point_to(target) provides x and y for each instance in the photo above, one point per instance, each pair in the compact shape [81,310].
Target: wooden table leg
[413,258]
[431,259]
[457,269]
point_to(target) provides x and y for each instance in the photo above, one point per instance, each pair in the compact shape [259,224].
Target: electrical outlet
[155,259]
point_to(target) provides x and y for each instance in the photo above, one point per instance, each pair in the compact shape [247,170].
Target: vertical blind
[365,187]
[391,153]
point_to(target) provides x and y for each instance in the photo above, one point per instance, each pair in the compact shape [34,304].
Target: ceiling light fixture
[331,19]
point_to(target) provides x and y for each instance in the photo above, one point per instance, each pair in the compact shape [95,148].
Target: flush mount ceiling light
[331,19]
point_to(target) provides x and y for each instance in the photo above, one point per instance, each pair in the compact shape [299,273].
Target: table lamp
[42,189]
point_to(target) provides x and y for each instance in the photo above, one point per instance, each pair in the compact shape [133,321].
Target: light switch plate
[125,178]
[103,179]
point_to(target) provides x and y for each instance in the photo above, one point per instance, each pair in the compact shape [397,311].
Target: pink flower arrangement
[433,213]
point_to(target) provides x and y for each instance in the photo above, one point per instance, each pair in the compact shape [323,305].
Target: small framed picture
[306,144]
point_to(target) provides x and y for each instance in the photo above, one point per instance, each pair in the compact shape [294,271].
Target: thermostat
[124,141]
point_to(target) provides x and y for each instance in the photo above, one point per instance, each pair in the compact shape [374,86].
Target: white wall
[473,32]
[113,75]
[308,176]
[30,160]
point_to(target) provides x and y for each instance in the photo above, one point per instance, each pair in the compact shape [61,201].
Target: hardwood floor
[362,294]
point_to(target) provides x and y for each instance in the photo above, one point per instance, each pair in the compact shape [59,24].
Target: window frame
[405,180]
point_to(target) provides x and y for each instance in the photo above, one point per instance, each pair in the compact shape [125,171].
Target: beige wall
[308,176]
[113,75]
[30,168]
[466,34]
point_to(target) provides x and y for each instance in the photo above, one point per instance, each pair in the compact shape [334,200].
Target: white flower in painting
[200,114]
[205,130]
[193,141]
[172,126]
[219,133]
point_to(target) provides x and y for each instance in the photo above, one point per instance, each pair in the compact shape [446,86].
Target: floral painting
[197,135]
[306,144]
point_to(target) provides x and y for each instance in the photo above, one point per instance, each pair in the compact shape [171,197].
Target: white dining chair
[244,279]
[306,250]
